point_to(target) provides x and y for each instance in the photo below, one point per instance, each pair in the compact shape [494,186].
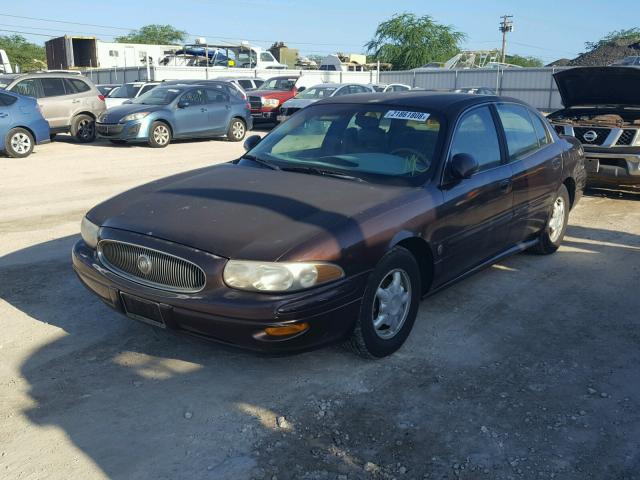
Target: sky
[546,29]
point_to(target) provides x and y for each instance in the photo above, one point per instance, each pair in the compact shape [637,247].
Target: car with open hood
[602,111]
[319,92]
[334,225]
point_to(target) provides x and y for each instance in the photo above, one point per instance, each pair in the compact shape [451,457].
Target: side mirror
[302,89]
[183,104]
[251,142]
[464,165]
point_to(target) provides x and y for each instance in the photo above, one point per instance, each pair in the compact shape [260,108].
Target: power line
[188,33]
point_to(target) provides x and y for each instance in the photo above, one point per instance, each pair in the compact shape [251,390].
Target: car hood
[114,114]
[599,86]
[269,93]
[242,212]
[299,102]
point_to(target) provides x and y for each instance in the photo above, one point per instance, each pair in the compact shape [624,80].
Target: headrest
[365,121]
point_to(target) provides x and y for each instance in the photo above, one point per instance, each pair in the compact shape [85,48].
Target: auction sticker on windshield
[404,115]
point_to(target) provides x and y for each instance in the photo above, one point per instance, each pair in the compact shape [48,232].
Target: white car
[245,83]
[392,87]
[318,92]
[128,91]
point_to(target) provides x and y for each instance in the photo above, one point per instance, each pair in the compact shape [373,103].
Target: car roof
[45,75]
[448,103]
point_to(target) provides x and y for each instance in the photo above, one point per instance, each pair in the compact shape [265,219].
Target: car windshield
[316,92]
[127,90]
[279,84]
[371,142]
[158,96]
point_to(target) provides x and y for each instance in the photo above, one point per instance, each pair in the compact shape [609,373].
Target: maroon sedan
[337,223]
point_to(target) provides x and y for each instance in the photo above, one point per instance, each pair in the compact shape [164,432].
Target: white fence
[533,85]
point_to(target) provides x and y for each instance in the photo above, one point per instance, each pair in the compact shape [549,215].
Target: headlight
[278,276]
[89,232]
[270,102]
[102,116]
[134,116]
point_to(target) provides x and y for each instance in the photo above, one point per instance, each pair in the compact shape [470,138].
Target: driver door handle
[203,109]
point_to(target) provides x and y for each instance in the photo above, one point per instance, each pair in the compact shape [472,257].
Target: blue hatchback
[178,111]
[21,124]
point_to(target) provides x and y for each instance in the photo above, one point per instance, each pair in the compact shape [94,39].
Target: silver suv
[70,103]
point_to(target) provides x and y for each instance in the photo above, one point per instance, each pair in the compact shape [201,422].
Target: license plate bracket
[143,310]
[592,165]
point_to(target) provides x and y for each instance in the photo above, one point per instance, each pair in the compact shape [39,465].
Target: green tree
[408,41]
[27,55]
[524,61]
[154,35]
[624,36]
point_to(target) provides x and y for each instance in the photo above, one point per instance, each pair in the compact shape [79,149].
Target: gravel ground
[527,370]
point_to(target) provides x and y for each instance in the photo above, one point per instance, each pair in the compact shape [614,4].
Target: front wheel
[237,130]
[83,128]
[553,233]
[159,135]
[389,306]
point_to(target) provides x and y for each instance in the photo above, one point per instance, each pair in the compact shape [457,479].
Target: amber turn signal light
[287,329]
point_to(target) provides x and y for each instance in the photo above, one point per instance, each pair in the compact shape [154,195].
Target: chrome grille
[163,270]
[626,137]
[601,134]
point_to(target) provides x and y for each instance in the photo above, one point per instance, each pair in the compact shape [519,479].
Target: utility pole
[506,25]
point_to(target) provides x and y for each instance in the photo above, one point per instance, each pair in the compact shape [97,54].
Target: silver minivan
[69,102]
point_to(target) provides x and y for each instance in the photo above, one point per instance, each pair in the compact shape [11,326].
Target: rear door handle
[203,109]
[4,115]
[505,185]
[75,101]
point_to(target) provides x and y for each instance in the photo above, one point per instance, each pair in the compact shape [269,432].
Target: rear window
[53,87]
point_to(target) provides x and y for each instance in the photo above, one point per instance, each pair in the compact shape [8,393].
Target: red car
[265,102]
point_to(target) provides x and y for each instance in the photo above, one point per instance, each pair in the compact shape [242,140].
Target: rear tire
[18,143]
[159,135]
[237,130]
[553,233]
[389,306]
[83,128]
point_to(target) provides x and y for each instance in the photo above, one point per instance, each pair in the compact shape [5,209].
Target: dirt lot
[527,370]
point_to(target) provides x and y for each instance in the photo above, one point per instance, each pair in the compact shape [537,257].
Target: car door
[191,114]
[219,110]
[536,165]
[76,96]
[476,213]
[5,114]
[57,107]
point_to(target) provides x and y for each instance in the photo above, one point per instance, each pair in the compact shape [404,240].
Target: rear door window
[476,135]
[146,88]
[541,131]
[30,87]
[519,131]
[53,87]
[216,95]
[245,84]
[73,85]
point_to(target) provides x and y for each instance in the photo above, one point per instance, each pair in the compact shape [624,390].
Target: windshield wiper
[261,161]
[323,172]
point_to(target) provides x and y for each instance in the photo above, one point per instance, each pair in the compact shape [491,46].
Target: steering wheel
[413,155]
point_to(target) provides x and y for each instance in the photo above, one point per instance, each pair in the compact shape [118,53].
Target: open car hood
[599,86]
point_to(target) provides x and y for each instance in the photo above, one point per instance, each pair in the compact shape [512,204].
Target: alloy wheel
[391,304]
[556,222]
[237,130]
[161,135]
[85,129]
[20,143]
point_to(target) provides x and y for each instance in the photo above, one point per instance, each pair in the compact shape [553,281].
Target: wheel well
[33,135]
[570,183]
[421,251]
[161,120]
[239,118]
[84,113]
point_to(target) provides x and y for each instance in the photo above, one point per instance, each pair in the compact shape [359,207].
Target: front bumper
[264,115]
[226,315]
[134,130]
[609,168]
